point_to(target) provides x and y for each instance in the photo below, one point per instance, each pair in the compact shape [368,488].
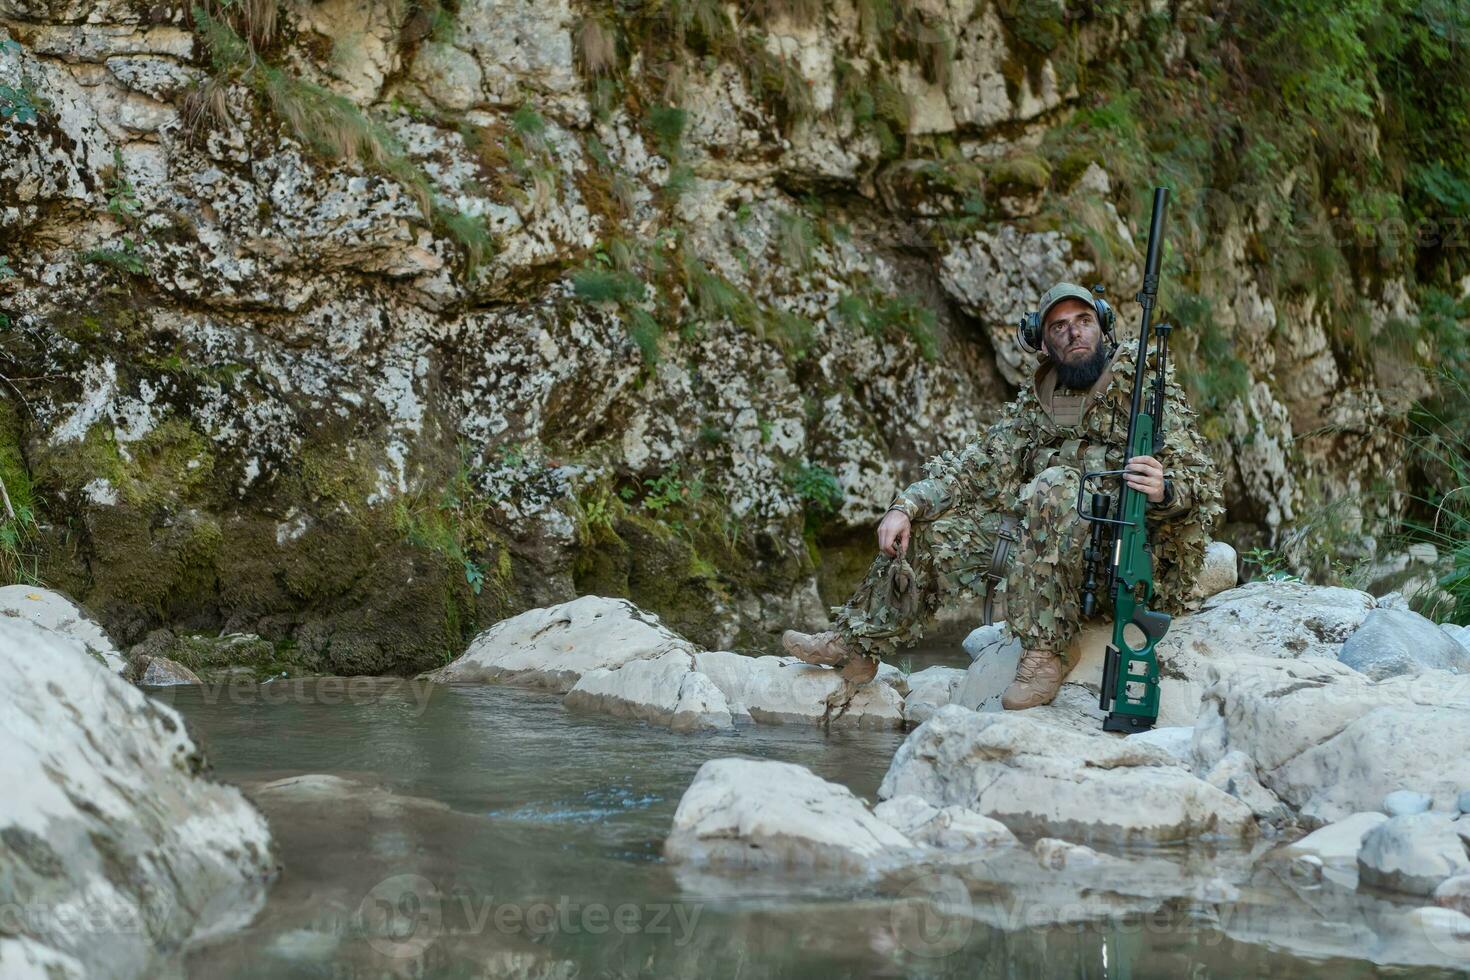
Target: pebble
[1306,869]
[1404,802]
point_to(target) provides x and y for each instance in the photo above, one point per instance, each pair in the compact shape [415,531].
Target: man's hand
[893,533]
[1146,474]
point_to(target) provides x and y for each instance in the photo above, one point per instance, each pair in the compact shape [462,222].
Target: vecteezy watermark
[933,916]
[242,689]
[90,915]
[404,915]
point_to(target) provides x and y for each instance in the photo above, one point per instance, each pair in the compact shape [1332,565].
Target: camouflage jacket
[1042,428]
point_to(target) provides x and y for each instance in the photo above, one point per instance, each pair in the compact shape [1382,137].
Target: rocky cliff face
[361,325]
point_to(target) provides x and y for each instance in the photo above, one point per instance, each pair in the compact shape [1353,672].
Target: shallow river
[486,832]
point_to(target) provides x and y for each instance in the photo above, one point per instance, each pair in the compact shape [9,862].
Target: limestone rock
[1221,571]
[950,828]
[783,691]
[1413,853]
[162,672]
[701,706]
[553,647]
[994,654]
[1235,773]
[1338,842]
[107,806]
[1042,780]
[55,613]
[744,813]
[1398,641]
[1402,802]
[1329,742]
[929,690]
[655,691]
[1176,740]
[1286,620]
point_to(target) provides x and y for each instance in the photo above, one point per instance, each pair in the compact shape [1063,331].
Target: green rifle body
[1130,681]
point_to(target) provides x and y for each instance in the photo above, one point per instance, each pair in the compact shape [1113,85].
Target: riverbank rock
[1265,619]
[744,813]
[664,691]
[1398,641]
[160,672]
[1402,802]
[551,648]
[1338,843]
[108,816]
[1041,780]
[1414,853]
[609,657]
[55,613]
[1331,742]
[929,690]
[950,828]
[784,691]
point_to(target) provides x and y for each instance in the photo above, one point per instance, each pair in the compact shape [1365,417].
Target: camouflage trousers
[949,557]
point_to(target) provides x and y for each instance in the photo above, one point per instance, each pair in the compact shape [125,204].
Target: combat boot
[1039,677]
[825,649]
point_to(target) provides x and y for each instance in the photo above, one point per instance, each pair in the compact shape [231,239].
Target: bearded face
[1073,339]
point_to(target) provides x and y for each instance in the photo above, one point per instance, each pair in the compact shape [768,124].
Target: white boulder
[1039,779]
[1399,641]
[950,828]
[745,813]
[1235,773]
[1414,853]
[1338,843]
[785,691]
[1329,742]
[994,654]
[552,647]
[1402,802]
[107,813]
[1220,571]
[929,690]
[653,691]
[1285,620]
[55,613]
[1177,740]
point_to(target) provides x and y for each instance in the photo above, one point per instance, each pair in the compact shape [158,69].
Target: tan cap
[1059,292]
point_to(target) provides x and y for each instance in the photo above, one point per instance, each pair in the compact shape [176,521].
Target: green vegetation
[882,316]
[1272,565]
[451,523]
[18,103]
[122,204]
[327,123]
[19,562]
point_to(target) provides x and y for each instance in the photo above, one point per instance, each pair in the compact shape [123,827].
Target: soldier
[1003,509]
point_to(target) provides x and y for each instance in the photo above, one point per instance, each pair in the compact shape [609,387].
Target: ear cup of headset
[1028,332]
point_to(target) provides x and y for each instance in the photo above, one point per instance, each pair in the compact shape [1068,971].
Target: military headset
[1028,329]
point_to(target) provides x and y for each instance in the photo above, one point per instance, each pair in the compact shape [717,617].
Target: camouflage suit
[1028,464]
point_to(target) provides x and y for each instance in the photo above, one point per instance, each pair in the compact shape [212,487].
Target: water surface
[484,832]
